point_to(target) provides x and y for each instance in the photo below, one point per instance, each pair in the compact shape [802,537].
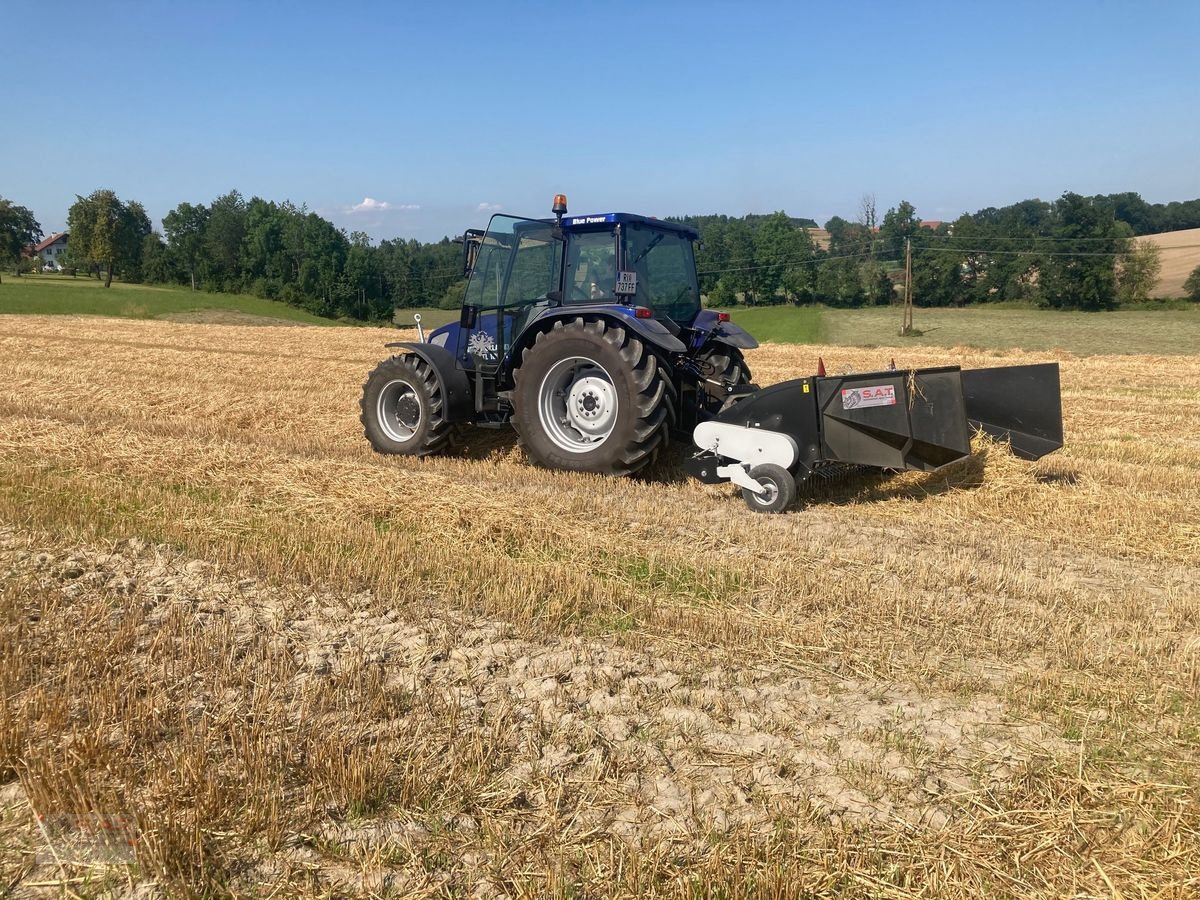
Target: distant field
[61,295]
[1133,331]
[1180,255]
[1151,332]
[782,324]
[1144,332]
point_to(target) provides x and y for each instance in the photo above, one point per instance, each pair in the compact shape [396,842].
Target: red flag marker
[820,366]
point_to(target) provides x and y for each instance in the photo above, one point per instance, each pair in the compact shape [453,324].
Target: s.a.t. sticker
[873,395]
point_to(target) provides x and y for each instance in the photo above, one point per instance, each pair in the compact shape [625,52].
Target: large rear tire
[402,409]
[591,397]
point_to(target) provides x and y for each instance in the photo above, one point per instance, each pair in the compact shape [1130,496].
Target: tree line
[1073,253]
[278,251]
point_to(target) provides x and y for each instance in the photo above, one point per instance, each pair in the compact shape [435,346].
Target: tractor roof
[620,217]
[573,223]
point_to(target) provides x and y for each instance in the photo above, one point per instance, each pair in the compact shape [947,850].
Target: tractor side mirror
[471,242]
[468,317]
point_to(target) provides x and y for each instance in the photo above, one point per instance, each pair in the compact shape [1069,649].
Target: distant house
[51,250]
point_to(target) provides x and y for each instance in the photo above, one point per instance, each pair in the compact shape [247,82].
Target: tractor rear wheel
[402,408]
[591,397]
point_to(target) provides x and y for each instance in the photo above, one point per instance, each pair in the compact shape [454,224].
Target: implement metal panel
[895,419]
[1018,404]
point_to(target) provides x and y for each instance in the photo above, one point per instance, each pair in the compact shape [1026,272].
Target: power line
[1018,237]
[987,252]
[815,260]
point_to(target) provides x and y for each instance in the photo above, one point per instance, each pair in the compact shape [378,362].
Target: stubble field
[272,661]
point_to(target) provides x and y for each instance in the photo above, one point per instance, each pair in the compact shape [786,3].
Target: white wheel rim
[770,492]
[577,404]
[395,416]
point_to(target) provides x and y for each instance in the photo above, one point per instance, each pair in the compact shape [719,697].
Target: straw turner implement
[587,335]
[767,440]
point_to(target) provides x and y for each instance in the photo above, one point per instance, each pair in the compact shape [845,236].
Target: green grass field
[62,295]
[783,324]
[1125,331]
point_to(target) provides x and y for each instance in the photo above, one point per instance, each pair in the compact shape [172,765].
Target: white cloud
[370,204]
[488,207]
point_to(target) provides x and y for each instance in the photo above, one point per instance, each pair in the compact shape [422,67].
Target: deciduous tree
[18,229]
[106,232]
[1138,271]
[184,227]
[899,224]
[1192,285]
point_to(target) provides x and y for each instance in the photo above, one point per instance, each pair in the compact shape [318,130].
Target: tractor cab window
[591,267]
[666,271]
[517,263]
[516,270]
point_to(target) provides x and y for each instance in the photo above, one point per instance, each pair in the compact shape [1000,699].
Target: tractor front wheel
[402,408]
[591,397]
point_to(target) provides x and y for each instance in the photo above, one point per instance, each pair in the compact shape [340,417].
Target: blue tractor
[585,333]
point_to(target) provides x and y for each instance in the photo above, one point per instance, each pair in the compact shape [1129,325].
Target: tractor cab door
[517,270]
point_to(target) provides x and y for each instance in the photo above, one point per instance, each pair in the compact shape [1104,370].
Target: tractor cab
[659,255]
[523,270]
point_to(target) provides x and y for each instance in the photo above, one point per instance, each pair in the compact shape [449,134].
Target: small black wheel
[780,488]
[402,409]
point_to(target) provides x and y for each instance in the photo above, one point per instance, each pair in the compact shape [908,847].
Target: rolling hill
[1180,256]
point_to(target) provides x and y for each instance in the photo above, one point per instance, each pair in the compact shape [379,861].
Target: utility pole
[906,327]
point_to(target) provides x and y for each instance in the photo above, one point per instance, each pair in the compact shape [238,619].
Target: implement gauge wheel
[780,488]
[403,410]
[591,397]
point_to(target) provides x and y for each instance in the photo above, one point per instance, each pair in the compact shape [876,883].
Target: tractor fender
[652,331]
[733,336]
[456,389]
[709,327]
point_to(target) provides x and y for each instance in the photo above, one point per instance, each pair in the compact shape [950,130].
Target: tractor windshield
[666,271]
[516,269]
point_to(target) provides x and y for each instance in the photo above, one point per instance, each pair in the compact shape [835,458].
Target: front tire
[591,397]
[402,409]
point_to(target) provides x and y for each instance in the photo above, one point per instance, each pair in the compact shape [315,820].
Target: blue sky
[443,111]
